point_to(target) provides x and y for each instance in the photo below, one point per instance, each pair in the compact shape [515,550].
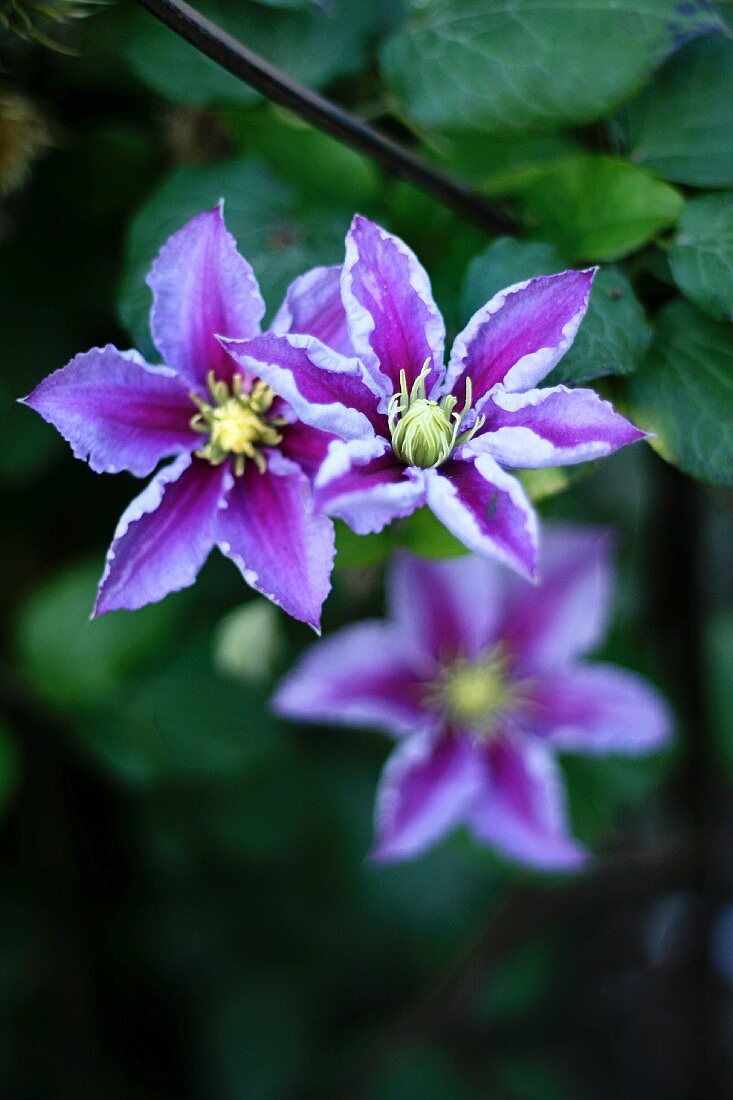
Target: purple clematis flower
[243,462]
[417,433]
[478,675]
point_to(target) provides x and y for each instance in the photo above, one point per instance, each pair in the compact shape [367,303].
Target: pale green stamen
[474,694]
[425,433]
[236,423]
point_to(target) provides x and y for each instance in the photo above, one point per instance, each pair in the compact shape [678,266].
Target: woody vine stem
[320,112]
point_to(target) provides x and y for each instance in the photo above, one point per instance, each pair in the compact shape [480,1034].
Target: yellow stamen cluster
[473,694]
[236,423]
[425,433]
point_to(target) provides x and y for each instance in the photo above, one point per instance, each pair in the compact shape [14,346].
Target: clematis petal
[599,709]
[551,427]
[485,507]
[522,811]
[306,446]
[426,789]
[325,389]
[313,306]
[566,615]
[446,607]
[271,533]
[394,323]
[164,536]
[364,675]
[368,494]
[202,287]
[519,335]
[117,412]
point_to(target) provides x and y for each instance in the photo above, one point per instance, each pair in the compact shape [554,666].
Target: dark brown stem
[278,87]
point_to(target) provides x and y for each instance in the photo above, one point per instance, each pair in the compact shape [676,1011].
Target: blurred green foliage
[186,907]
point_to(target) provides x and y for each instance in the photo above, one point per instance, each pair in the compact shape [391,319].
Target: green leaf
[261,212]
[424,535]
[598,208]
[614,334]
[681,127]
[548,481]
[512,66]
[74,662]
[496,165]
[613,337]
[327,171]
[684,393]
[504,262]
[313,46]
[701,254]
[354,551]
[185,723]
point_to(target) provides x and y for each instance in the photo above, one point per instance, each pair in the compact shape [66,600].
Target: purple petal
[325,389]
[369,494]
[394,323]
[485,507]
[117,412]
[553,427]
[202,288]
[522,808]
[446,607]
[164,536]
[519,336]
[549,624]
[426,789]
[271,533]
[313,306]
[306,446]
[363,675]
[599,709]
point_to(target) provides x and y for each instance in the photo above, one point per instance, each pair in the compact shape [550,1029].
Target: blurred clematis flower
[417,433]
[240,479]
[480,679]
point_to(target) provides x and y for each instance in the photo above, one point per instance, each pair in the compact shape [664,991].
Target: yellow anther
[236,423]
[474,694]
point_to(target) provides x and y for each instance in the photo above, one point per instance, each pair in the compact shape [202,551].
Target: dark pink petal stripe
[393,321]
[202,288]
[519,336]
[116,411]
[164,536]
[271,533]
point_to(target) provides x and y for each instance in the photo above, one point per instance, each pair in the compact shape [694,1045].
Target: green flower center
[425,433]
[474,694]
[236,423]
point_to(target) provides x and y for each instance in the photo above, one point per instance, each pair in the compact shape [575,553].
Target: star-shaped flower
[479,677]
[241,475]
[417,433]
